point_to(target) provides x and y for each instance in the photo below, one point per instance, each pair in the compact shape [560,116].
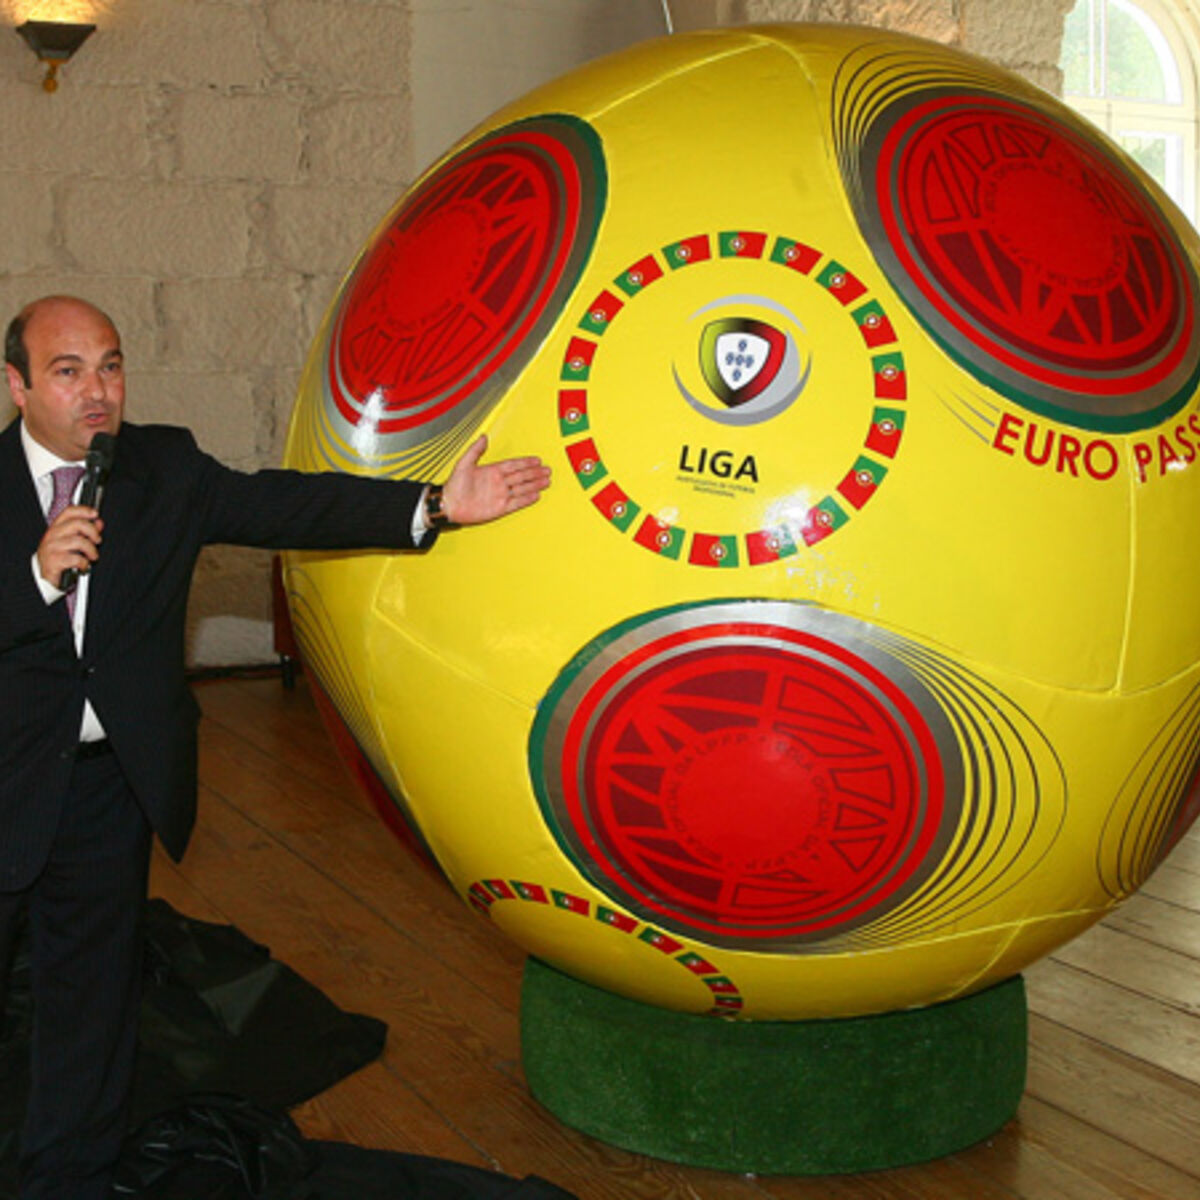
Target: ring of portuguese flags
[731,548]
[725,994]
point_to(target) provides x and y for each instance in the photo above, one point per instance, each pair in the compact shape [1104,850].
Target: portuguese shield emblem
[740,358]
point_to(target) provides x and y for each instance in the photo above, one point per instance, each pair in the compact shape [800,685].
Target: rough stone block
[934,19]
[217,406]
[320,229]
[26,200]
[1029,35]
[346,47]
[80,130]
[225,136]
[235,324]
[167,43]
[167,230]
[361,138]
[1048,78]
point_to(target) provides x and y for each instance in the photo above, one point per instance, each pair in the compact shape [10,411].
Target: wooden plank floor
[287,850]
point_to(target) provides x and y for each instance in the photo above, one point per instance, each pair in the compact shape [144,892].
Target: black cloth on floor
[352,1173]
[218,1015]
[221,1015]
[224,1148]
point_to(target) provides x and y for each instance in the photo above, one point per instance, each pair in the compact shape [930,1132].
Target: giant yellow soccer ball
[850,663]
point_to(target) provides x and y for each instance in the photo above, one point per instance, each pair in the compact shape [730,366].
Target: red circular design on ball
[754,783]
[1032,245]
[458,278]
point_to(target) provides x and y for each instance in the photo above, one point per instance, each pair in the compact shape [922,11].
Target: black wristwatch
[435,512]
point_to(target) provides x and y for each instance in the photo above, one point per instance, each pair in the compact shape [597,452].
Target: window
[1128,67]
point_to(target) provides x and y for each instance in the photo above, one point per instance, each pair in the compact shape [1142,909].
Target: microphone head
[100,452]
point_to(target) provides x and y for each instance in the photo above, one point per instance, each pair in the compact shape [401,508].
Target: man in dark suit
[98,751]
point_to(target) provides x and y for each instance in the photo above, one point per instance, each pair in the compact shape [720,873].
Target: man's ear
[16,385]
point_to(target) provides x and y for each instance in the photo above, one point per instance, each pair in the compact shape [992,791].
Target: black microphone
[95,474]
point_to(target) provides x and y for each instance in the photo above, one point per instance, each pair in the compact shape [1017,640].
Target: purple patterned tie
[66,480]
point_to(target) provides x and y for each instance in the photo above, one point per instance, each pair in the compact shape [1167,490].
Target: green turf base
[774,1097]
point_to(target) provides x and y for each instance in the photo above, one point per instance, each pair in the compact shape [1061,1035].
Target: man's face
[76,377]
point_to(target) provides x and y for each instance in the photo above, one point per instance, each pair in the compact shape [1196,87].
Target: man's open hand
[474,493]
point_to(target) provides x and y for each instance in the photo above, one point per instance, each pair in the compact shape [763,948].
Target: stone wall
[209,168]
[205,173]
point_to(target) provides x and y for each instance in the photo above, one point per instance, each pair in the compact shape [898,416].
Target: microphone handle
[89,497]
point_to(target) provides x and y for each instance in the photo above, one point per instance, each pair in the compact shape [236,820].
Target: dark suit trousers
[85,914]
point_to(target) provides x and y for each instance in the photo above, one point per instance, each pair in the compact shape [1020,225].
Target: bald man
[98,753]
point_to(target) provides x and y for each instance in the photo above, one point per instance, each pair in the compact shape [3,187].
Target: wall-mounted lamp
[54,42]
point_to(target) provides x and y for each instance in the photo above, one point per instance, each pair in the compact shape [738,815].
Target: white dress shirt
[41,465]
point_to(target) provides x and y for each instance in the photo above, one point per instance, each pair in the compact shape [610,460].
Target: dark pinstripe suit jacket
[165,500]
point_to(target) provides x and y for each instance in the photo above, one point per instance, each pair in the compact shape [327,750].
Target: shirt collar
[41,461]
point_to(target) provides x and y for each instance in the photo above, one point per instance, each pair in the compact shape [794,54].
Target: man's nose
[95,386]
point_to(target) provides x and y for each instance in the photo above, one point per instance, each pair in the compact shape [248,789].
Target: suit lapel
[22,521]
[122,505]
[21,516]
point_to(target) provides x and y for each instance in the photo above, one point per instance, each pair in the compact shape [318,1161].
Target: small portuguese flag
[796,255]
[601,312]
[578,360]
[586,462]
[822,519]
[742,244]
[618,920]
[690,250]
[572,411]
[531,891]
[720,983]
[660,537]
[862,480]
[499,889]
[844,286]
[887,427]
[713,550]
[891,382]
[696,964]
[659,940]
[575,904]
[616,506]
[769,545]
[873,324]
[641,275]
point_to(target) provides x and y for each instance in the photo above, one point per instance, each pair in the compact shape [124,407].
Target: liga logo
[739,357]
[752,369]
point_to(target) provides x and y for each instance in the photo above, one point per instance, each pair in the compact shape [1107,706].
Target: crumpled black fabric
[353,1173]
[225,1148]
[218,1015]
[221,1015]
[217,1147]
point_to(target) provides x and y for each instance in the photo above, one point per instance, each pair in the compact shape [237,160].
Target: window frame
[1180,120]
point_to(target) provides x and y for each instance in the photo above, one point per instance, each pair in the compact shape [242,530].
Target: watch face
[435,513]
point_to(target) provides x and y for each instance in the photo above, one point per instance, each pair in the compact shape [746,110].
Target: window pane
[1160,155]
[1139,62]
